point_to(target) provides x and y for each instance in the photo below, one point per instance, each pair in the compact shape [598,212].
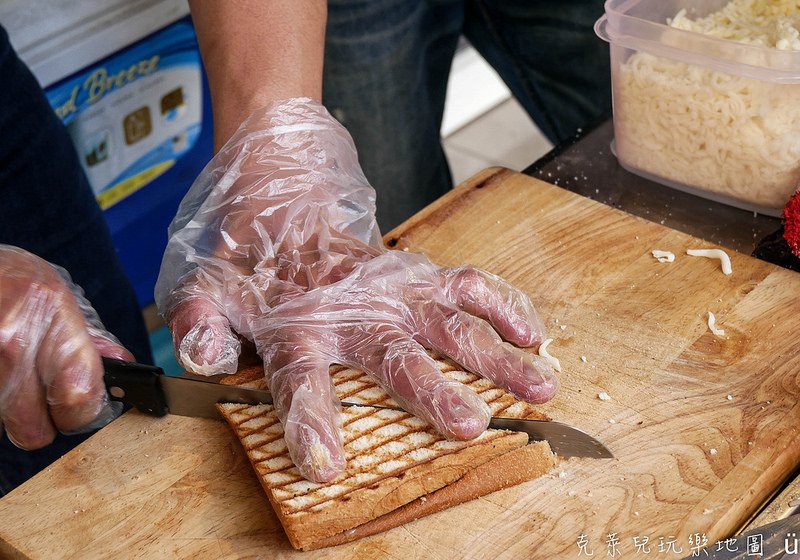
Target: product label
[134,114]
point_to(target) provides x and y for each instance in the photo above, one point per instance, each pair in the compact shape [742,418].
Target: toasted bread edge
[371,502]
[509,469]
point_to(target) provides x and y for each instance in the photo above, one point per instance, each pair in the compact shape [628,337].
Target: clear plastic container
[714,117]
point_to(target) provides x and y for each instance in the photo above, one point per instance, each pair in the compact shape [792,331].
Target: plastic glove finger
[110,410]
[474,344]
[25,415]
[307,407]
[23,402]
[508,309]
[71,372]
[111,349]
[202,337]
[406,371]
[108,346]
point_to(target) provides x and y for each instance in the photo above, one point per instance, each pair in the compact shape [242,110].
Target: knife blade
[149,390]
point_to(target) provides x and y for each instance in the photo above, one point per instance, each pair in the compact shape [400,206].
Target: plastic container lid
[640,25]
[56,38]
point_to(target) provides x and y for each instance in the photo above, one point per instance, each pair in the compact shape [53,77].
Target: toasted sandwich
[398,468]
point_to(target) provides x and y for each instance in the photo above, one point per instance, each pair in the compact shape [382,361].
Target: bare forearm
[257,52]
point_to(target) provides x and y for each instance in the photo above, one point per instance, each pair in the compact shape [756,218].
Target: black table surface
[586,165]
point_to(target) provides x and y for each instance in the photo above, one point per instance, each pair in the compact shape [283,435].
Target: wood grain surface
[704,428]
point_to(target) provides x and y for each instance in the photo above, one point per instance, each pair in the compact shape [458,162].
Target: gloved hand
[277,241]
[51,340]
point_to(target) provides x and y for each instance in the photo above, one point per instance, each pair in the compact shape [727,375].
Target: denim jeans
[387,64]
[47,207]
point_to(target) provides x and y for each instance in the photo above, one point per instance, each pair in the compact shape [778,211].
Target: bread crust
[506,470]
[306,528]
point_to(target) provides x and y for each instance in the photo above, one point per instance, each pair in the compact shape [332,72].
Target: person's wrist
[235,106]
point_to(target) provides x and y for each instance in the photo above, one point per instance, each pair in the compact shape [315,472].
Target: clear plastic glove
[51,340]
[277,241]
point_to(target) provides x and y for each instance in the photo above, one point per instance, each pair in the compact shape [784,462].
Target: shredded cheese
[712,325]
[724,259]
[546,355]
[765,23]
[663,256]
[723,133]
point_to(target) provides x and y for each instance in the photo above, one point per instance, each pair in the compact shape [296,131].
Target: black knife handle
[135,384]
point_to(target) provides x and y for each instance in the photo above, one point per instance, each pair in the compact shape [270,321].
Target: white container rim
[619,27]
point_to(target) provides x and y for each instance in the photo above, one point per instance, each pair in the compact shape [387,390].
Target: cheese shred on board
[546,355]
[727,134]
[724,259]
[712,325]
[664,256]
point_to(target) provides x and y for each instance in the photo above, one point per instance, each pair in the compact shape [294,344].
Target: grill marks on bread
[379,443]
[357,387]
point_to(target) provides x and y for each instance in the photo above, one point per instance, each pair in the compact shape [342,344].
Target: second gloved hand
[277,242]
[51,340]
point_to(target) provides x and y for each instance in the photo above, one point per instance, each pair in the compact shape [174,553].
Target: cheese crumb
[725,260]
[712,325]
[664,256]
[583,359]
[712,451]
[729,397]
[544,354]
[612,421]
[603,396]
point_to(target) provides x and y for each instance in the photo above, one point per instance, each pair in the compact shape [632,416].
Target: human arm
[257,52]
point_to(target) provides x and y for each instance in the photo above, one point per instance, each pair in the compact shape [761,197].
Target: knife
[149,390]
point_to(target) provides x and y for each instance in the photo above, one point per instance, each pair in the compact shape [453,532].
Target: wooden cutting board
[704,428]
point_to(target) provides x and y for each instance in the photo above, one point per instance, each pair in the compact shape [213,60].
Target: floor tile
[503,136]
